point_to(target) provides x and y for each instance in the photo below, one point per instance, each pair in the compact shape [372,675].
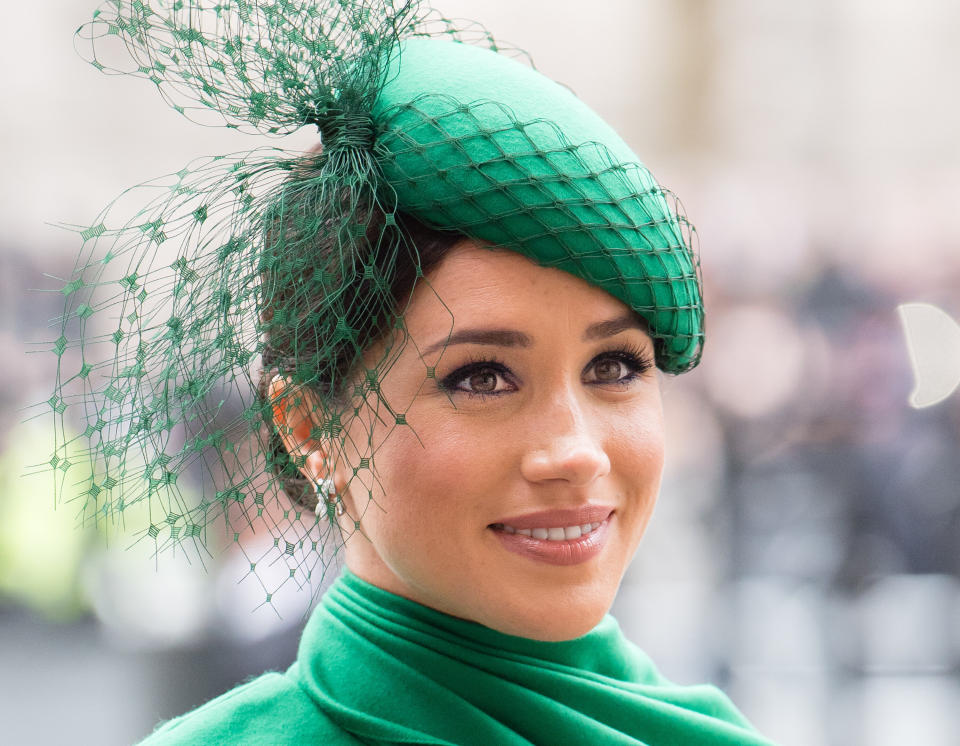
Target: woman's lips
[556,552]
[558,517]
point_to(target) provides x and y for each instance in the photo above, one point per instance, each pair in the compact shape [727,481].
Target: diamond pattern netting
[193,291]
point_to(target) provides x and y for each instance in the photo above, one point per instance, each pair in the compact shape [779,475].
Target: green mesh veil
[271,262]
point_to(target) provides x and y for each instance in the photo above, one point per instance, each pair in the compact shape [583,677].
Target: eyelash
[628,354]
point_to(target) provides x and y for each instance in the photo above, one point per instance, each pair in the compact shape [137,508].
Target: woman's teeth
[550,534]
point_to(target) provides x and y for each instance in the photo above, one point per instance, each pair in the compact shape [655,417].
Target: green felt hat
[474,141]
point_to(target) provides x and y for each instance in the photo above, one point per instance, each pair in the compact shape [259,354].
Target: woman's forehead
[478,284]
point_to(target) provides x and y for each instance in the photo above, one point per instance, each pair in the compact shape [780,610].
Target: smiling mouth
[563,545]
[554,533]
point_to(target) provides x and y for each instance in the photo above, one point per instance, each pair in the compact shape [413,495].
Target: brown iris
[608,370]
[483,382]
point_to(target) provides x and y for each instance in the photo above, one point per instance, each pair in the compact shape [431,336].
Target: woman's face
[544,401]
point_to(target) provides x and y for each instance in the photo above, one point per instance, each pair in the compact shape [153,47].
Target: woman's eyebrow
[499,337]
[514,338]
[604,329]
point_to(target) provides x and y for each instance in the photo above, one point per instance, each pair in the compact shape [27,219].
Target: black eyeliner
[448,382]
[637,358]
[629,354]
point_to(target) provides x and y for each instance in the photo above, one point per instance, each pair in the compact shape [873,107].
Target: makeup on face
[531,458]
[558,537]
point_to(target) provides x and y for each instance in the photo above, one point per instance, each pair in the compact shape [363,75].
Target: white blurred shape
[145,606]
[756,360]
[906,624]
[790,708]
[778,628]
[933,344]
[674,621]
[919,710]
[779,667]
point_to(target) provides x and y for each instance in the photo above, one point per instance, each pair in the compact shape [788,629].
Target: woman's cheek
[640,439]
[428,476]
[427,513]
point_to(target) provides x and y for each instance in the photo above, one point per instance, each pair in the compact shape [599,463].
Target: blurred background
[805,554]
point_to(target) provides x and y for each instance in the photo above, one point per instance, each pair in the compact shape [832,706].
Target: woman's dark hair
[284,352]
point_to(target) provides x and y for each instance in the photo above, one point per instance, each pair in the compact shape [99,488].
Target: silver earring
[324,488]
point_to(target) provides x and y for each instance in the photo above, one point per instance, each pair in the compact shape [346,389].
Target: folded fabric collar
[386,668]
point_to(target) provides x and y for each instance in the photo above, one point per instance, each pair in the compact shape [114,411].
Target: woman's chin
[548,622]
[557,630]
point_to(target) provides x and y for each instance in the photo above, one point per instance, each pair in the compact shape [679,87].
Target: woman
[460,304]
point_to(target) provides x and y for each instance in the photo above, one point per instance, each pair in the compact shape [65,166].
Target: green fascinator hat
[238,268]
[474,141]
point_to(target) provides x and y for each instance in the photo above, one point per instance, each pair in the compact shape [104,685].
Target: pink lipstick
[557,537]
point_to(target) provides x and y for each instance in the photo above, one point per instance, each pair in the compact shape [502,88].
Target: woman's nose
[564,446]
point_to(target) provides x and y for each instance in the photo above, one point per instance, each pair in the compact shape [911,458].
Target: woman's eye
[492,379]
[610,370]
[619,368]
[477,379]
[483,382]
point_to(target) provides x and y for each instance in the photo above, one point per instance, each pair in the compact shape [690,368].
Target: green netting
[194,291]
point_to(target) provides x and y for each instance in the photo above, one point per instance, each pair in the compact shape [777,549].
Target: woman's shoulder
[271,709]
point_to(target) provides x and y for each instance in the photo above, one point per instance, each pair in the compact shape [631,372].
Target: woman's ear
[296,420]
